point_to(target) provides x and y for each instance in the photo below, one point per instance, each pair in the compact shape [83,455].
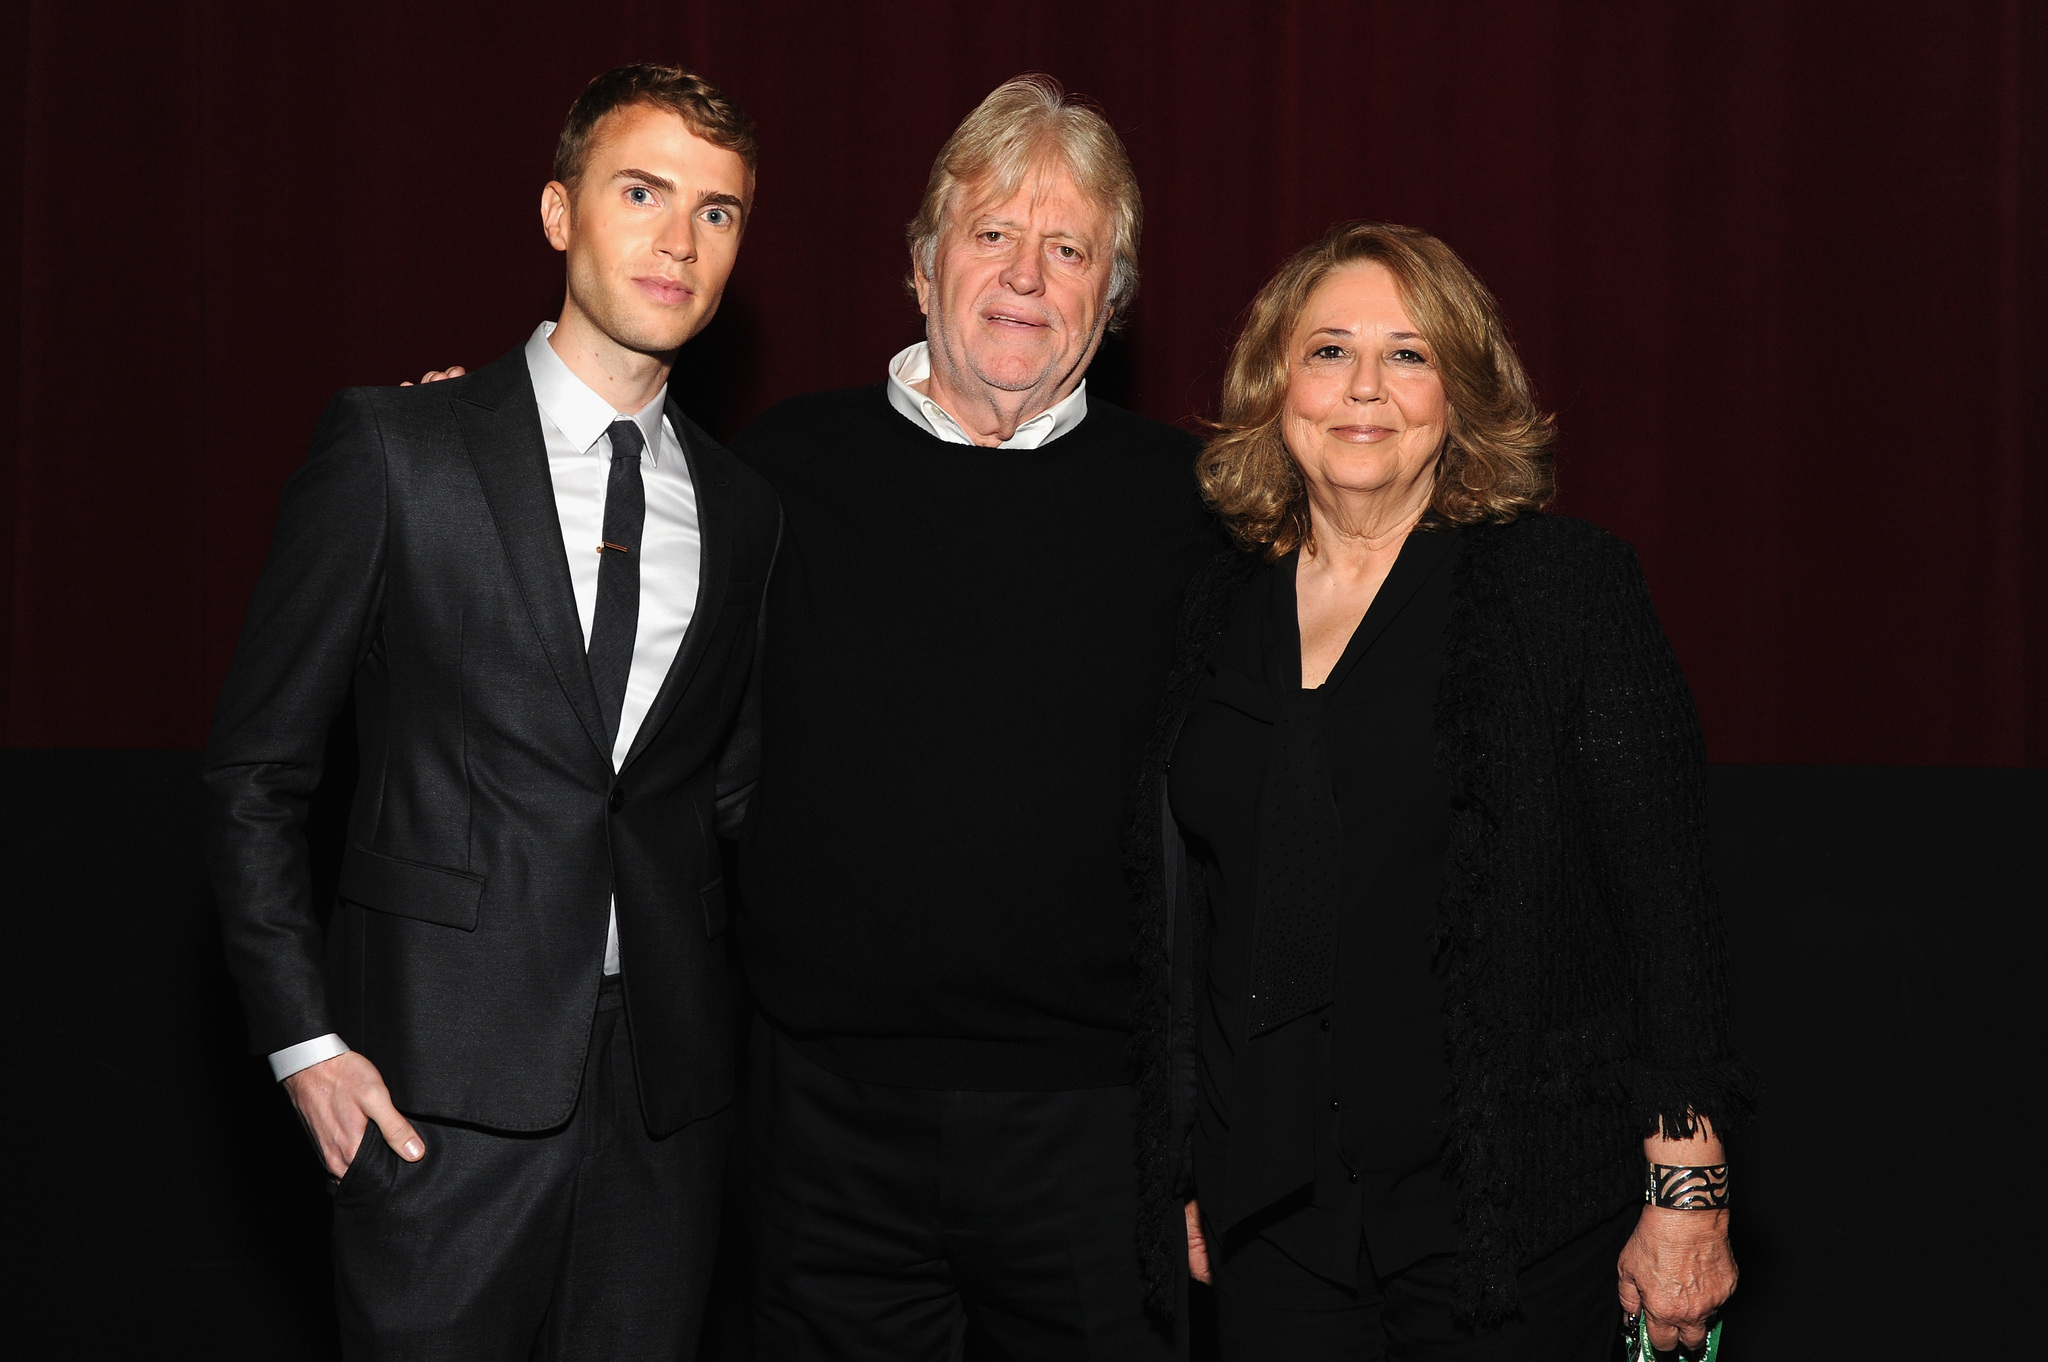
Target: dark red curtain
[1779,266]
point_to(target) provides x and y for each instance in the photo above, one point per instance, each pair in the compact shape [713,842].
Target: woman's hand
[1677,1271]
[1198,1245]
[436,375]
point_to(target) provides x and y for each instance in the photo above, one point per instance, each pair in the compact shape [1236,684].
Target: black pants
[592,1240]
[889,1220]
[1270,1307]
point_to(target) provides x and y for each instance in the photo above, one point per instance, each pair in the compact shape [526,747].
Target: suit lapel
[714,572]
[500,424]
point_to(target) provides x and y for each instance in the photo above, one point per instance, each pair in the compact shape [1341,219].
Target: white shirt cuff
[305,1055]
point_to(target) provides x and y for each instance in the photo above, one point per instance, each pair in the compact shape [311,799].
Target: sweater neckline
[895,421]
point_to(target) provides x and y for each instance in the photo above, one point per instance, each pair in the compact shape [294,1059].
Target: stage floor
[1887,933]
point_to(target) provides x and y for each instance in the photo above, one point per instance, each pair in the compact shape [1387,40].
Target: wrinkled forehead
[1043,191]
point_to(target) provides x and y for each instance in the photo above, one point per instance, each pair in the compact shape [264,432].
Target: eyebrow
[661,182]
[984,223]
[1345,331]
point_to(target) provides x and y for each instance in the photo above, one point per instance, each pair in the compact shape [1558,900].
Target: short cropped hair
[1023,124]
[1495,461]
[701,105]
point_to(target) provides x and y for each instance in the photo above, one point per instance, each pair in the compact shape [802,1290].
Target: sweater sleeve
[1641,770]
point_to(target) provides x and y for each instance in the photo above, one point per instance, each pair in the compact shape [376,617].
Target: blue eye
[640,194]
[716,217]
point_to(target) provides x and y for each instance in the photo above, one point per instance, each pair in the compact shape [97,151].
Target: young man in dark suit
[511,1042]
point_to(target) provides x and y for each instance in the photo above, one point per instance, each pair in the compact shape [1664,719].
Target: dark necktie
[616,620]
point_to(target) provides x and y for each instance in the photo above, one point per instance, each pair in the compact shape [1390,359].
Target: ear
[554,214]
[922,282]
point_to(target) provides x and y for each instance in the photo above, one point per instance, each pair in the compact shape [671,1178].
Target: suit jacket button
[618,799]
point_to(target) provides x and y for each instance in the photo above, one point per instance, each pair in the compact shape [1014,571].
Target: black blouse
[1364,1078]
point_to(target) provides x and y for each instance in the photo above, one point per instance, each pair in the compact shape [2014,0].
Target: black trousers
[1270,1307]
[889,1221]
[592,1240]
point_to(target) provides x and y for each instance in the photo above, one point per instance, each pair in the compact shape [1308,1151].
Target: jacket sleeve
[1167,920]
[312,619]
[1641,769]
[739,763]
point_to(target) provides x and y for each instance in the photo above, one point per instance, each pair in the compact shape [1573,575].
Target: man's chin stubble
[1031,384]
[642,335]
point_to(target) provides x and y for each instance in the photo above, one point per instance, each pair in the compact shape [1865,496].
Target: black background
[1887,932]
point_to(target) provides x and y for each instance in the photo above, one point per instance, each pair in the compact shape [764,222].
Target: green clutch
[1635,1332]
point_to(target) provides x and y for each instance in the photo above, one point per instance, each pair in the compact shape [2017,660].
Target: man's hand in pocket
[338,1100]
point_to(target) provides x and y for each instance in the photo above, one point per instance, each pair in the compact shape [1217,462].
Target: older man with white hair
[969,629]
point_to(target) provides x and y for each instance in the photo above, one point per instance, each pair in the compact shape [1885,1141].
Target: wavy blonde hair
[1025,124]
[1495,461]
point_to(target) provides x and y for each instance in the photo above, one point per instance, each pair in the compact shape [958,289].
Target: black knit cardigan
[1586,996]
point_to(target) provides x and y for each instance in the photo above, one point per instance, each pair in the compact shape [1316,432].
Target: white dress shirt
[575,422]
[914,365]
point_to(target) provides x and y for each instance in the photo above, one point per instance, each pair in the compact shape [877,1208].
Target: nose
[1025,272]
[678,240]
[1365,380]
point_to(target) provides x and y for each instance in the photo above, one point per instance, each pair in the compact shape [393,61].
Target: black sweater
[966,648]
[1585,962]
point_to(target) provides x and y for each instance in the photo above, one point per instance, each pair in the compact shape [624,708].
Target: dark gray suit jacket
[418,557]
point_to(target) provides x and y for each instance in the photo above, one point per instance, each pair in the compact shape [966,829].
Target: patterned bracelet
[1682,1187]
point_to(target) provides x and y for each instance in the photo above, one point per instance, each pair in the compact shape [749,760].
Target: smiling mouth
[669,292]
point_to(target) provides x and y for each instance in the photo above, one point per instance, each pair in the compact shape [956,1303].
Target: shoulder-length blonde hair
[1495,461]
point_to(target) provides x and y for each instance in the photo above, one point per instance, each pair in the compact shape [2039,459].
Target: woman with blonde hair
[1434,976]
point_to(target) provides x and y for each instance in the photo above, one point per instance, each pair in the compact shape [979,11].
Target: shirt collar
[914,365]
[575,408]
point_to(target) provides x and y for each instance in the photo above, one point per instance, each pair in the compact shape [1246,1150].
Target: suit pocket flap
[714,907]
[428,893]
